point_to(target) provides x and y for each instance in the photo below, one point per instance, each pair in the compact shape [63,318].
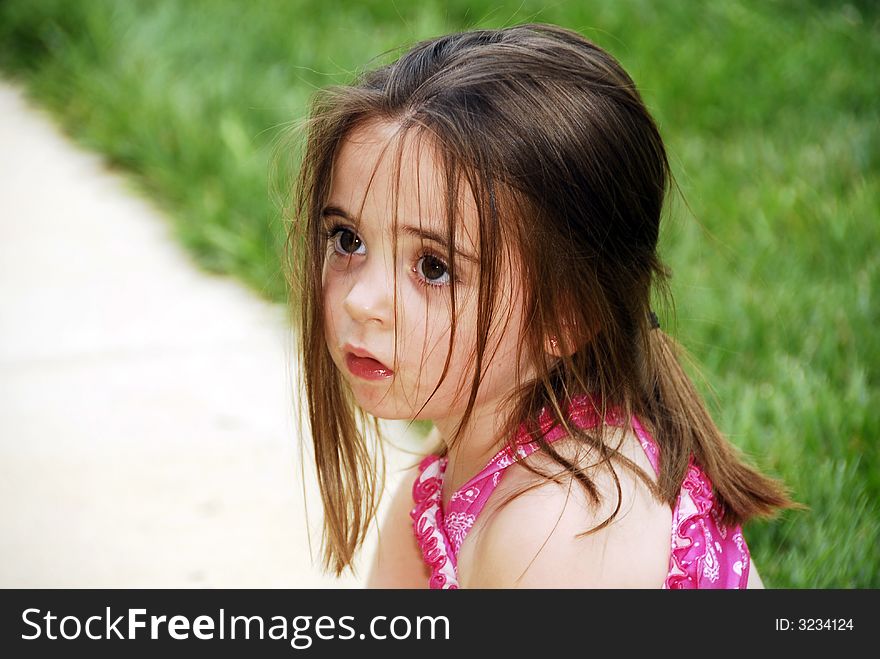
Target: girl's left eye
[432,270]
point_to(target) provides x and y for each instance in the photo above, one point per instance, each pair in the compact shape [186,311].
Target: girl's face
[361,322]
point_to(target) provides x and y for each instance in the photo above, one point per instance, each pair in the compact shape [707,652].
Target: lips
[363,365]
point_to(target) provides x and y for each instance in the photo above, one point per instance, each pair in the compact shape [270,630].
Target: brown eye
[346,241]
[433,270]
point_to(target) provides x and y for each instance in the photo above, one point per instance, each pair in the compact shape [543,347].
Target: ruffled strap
[705,552]
[428,523]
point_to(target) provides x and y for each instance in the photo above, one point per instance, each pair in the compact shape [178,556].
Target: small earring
[554,343]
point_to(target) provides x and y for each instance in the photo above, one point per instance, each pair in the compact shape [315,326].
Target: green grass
[770,113]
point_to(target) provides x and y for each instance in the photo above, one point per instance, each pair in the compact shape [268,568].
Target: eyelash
[421,281]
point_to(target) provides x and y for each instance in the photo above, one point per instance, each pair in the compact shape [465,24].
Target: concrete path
[146,413]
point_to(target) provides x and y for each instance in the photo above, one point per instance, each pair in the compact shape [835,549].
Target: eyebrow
[418,232]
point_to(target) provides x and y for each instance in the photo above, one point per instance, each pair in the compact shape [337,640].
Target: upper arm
[398,559]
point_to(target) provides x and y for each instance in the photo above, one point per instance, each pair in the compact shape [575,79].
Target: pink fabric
[704,553]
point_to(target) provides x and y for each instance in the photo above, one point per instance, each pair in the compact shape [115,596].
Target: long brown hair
[567,165]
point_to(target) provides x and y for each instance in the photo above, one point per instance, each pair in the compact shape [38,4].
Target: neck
[477,442]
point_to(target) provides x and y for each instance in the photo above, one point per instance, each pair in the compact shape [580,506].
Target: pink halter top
[704,552]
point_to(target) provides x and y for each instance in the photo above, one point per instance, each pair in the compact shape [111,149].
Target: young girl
[475,245]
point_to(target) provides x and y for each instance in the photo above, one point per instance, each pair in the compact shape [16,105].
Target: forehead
[365,172]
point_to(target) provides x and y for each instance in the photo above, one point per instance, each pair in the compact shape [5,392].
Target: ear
[560,348]
[552,347]
[565,346]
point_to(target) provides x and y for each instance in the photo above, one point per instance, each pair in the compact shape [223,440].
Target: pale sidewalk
[146,413]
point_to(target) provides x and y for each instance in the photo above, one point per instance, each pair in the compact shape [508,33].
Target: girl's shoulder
[536,539]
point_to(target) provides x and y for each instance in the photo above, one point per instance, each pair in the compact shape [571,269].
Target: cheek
[332,299]
[437,332]
[423,329]
[419,317]
[509,366]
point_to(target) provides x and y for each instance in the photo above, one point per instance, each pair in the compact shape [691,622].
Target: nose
[371,297]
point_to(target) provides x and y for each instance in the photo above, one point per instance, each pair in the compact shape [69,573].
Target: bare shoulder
[536,540]
[398,561]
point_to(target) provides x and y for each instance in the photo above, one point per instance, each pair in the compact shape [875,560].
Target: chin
[382,404]
[377,401]
[386,412]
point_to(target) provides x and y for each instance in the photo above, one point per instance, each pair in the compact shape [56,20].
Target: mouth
[363,365]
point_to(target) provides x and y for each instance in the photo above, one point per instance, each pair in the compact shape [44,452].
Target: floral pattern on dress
[467,495]
[457,526]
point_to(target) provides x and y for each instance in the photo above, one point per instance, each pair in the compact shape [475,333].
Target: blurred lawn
[770,113]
